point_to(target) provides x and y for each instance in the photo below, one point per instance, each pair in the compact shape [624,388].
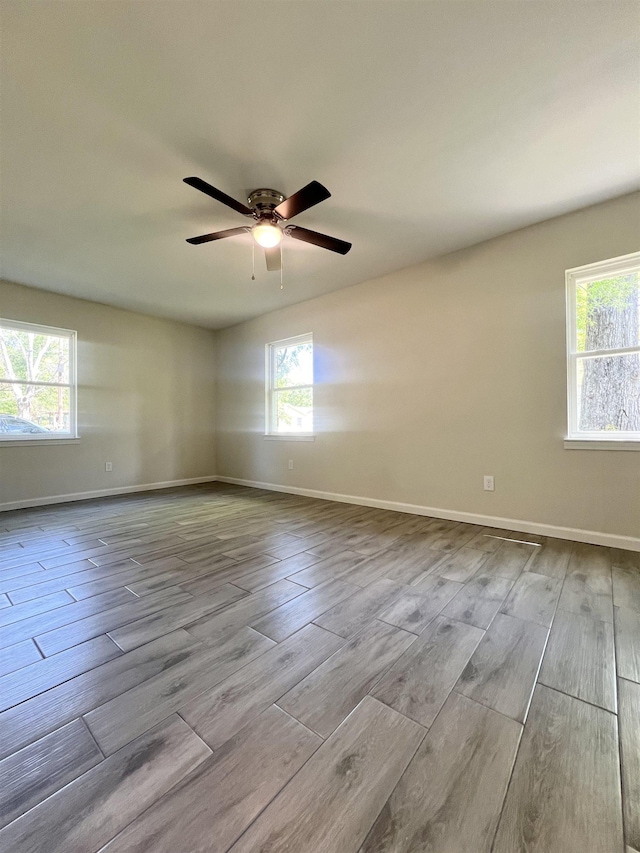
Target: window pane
[608,313]
[294,410]
[609,393]
[33,410]
[293,365]
[33,357]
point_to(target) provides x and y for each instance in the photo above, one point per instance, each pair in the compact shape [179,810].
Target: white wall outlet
[489,485]
[291,464]
[108,466]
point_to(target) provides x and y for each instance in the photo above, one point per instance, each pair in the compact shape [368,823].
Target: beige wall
[145,401]
[431,377]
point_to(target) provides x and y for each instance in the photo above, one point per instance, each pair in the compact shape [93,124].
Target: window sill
[601,444]
[28,442]
[289,436]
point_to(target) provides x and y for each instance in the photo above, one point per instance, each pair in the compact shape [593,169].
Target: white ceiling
[434,124]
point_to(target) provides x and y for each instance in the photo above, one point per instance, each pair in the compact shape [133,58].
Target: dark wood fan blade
[305,198]
[274,258]
[216,235]
[204,187]
[322,240]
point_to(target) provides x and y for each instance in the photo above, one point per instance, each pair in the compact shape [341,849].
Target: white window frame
[72,385]
[270,431]
[577,439]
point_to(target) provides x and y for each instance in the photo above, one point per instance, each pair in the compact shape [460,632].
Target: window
[290,387]
[603,347]
[37,382]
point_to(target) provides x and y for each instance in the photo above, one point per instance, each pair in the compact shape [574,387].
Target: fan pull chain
[253,260]
[281,264]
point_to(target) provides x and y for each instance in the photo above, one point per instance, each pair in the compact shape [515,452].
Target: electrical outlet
[108,466]
[489,485]
[291,464]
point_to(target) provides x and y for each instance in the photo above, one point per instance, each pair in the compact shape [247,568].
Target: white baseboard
[593,537]
[102,493]
[576,534]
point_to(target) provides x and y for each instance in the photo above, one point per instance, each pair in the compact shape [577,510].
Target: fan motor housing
[263,200]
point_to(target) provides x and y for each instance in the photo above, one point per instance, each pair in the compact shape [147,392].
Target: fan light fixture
[269,208]
[266,235]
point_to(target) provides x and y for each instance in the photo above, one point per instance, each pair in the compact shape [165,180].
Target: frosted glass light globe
[266,235]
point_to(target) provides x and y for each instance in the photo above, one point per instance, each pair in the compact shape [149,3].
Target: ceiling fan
[270,208]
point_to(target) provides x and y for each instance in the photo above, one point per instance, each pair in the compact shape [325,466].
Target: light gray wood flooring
[216,668]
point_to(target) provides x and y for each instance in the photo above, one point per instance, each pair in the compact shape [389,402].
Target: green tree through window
[608,318]
[290,384]
[36,375]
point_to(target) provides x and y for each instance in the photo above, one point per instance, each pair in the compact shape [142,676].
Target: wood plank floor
[217,668]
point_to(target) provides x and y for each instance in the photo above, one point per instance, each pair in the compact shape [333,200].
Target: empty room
[320,426]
